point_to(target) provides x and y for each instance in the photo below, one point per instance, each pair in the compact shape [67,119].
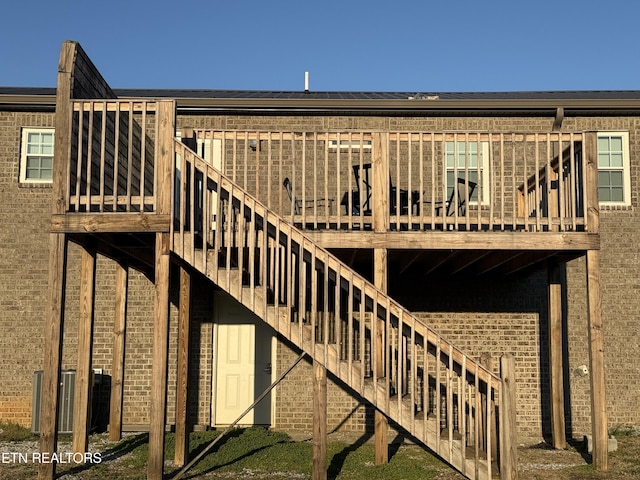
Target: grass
[12,432]
[274,455]
[262,454]
[257,453]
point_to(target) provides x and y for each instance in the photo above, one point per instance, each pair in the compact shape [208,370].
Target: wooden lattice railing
[376,347]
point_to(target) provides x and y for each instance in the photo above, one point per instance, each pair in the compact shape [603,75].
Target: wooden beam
[495,260]
[381,425]
[182,410]
[84,372]
[574,241]
[110,222]
[465,260]
[556,380]
[596,360]
[53,334]
[319,422]
[159,369]
[525,260]
[508,432]
[119,344]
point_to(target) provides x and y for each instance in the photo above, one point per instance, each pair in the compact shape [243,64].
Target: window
[354,144]
[468,160]
[614,183]
[36,160]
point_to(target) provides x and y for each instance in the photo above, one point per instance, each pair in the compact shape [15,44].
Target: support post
[558,436]
[165,165]
[182,408]
[160,356]
[119,342]
[596,365]
[381,425]
[319,421]
[84,372]
[596,334]
[54,315]
[54,328]
[508,432]
[380,198]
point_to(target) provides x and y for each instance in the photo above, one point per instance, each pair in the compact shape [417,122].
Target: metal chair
[297,205]
[464,190]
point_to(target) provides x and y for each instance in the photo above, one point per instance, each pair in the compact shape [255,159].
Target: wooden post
[84,372]
[119,342]
[380,183]
[182,407]
[54,328]
[319,422]
[380,199]
[165,165]
[596,365]
[591,182]
[558,436]
[596,335]
[381,425]
[158,398]
[165,158]
[54,315]
[508,432]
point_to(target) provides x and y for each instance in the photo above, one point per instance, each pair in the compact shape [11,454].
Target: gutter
[323,106]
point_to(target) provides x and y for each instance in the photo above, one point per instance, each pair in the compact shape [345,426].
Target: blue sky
[400,45]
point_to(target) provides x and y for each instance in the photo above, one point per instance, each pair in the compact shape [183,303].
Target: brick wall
[24,220]
[294,399]
[516,325]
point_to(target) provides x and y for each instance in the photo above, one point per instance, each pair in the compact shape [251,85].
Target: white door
[243,364]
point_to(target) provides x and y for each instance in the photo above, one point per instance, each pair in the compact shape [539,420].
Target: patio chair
[297,203]
[465,190]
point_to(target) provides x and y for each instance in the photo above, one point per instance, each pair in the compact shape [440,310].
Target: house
[460,267]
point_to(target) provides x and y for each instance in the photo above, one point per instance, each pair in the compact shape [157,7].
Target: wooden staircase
[379,350]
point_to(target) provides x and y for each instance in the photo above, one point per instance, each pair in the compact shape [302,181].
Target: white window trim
[353,145]
[24,134]
[626,168]
[483,197]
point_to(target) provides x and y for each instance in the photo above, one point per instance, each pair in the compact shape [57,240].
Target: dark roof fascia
[530,103]
[31,100]
[413,107]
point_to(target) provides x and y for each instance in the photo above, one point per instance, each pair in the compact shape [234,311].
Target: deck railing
[471,181]
[112,164]
[420,181]
[383,352]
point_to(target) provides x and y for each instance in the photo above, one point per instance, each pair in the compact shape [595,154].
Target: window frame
[626,168]
[484,170]
[24,155]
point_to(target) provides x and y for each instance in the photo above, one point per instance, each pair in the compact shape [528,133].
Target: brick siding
[517,323]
